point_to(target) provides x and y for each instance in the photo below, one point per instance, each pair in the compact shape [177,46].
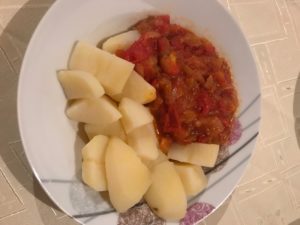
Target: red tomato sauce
[196,98]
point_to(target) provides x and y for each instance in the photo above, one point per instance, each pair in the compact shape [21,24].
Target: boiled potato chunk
[93,174]
[195,153]
[166,195]
[138,89]
[152,163]
[114,129]
[193,178]
[144,141]
[127,177]
[115,76]
[89,58]
[80,84]
[121,41]
[134,114]
[111,71]
[95,149]
[94,111]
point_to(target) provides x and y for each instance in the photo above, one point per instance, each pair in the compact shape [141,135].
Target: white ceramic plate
[49,138]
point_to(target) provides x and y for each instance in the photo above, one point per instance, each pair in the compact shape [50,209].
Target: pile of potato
[123,155]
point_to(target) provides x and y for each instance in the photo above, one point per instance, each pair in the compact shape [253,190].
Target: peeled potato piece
[114,129]
[80,84]
[195,153]
[144,141]
[121,41]
[93,174]
[166,196]
[89,58]
[95,149]
[152,163]
[94,111]
[134,114]
[111,71]
[115,76]
[193,178]
[127,177]
[138,89]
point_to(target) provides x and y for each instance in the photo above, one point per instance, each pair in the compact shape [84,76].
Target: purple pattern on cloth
[139,215]
[236,132]
[196,212]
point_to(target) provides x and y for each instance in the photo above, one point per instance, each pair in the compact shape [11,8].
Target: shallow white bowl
[50,139]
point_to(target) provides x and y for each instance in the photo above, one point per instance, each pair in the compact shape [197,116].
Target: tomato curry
[196,98]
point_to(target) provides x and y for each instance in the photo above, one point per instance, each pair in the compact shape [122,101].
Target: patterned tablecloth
[268,194]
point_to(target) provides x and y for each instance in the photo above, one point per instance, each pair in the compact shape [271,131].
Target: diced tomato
[171,119]
[164,18]
[206,103]
[226,121]
[162,23]
[164,45]
[203,138]
[165,144]
[140,50]
[177,43]
[175,29]
[228,102]
[135,53]
[209,49]
[169,64]
[219,77]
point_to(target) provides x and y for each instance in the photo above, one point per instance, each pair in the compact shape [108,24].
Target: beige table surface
[268,194]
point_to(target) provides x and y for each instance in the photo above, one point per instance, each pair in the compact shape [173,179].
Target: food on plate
[79,84]
[95,149]
[111,71]
[137,89]
[144,141]
[93,156]
[93,174]
[152,163]
[196,98]
[115,76]
[114,129]
[88,58]
[120,41]
[134,114]
[157,102]
[128,178]
[166,195]
[89,111]
[196,153]
[193,178]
